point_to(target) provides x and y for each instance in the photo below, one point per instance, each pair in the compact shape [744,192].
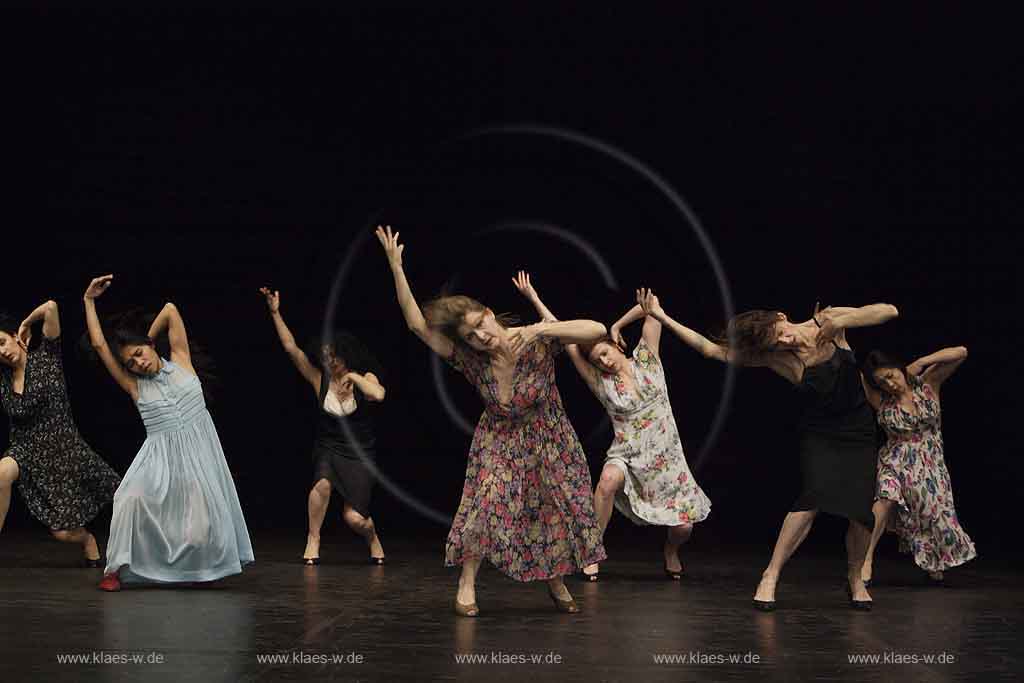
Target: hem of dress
[599,557]
[137,578]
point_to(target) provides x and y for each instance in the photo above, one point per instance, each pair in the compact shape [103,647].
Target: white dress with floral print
[659,488]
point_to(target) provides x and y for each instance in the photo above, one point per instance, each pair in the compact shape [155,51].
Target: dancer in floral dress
[645,473]
[526,504]
[62,480]
[912,474]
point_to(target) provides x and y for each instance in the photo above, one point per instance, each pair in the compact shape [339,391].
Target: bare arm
[170,319]
[835,321]
[368,384]
[652,326]
[709,349]
[123,378]
[48,313]
[873,397]
[438,343]
[939,366]
[522,283]
[298,357]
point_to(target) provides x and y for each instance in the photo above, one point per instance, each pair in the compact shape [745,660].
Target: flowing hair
[750,333]
[346,347]
[446,312]
[128,328]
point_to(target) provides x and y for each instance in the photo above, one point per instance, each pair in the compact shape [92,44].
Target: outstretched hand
[392,248]
[649,302]
[522,283]
[98,286]
[273,298]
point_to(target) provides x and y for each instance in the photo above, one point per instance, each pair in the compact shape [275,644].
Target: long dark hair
[128,328]
[879,360]
[9,324]
[346,347]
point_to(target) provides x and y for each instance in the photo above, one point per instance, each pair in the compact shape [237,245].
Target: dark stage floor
[397,620]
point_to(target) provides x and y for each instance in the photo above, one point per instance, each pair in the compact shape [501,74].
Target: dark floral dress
[527,505]
[912,473]
[62,480]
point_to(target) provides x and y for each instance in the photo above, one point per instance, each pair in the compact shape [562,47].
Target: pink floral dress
[912,473]
[526,505]
[659,487]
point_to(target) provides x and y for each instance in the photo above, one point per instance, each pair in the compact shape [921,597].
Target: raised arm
[587,371]
[566,331]
[652,328]
[47,312]
[299,359]
[522,283]
[368,384]
[709,349]
[123,378]
[438,343]
[835,321]
[936,368]
[170,319]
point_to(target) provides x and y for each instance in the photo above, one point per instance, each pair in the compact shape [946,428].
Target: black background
[832,155]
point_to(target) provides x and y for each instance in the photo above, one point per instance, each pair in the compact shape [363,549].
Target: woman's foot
[91,550]
[376,550]
[562,598]
[764,596]
[857,592]
[591,571]
[673,567]
[936,576]
[465,600]
[110,583]
[865,574]
[311,555]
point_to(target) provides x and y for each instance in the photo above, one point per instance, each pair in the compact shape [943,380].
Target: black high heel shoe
[92,564]
[764,605]
[311,561]
[675,576]
[862,605]
[377,560]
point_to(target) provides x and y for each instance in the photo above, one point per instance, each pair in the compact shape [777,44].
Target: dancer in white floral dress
[645,475]
[912,474]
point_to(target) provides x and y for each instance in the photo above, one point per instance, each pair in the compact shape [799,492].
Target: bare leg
[8,475]
[319,496]
[365,528]
[857,538]
[881,511]
[467,582]
[676,536]
[80,536]
[611,482]
[795,528]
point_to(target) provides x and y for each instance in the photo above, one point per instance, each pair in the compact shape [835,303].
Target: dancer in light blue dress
[176,514]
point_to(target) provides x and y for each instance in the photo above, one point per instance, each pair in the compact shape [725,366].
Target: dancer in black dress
[838,447]
[62,481]
[344,412]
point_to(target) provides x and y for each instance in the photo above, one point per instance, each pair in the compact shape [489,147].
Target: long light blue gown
[176,514]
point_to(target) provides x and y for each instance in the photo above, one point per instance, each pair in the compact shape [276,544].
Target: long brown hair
[751,332]
[445,313]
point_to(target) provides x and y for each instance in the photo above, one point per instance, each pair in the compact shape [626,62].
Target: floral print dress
[62,480]
[659,488]
[526,505]
[912,473]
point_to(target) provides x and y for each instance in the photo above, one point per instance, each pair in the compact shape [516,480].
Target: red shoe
[110,583]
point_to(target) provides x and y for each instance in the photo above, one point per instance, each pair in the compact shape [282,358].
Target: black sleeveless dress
[837,440]
[337,447]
